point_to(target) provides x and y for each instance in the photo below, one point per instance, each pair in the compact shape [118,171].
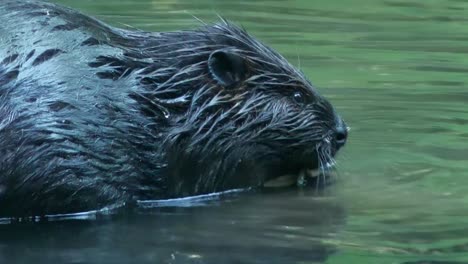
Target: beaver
[93,115]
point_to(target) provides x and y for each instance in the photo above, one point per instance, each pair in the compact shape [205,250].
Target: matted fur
[92,115]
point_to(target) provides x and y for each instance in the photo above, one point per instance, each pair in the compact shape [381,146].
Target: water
[396,70]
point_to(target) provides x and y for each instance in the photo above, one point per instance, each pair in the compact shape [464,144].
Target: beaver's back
[52,41]
[66,133]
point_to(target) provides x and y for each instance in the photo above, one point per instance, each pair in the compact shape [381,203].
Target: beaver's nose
[341,134]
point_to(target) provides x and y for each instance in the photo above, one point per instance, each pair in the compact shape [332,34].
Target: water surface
[396,70]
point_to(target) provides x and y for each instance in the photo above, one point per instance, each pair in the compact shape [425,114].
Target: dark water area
[396,70]
[236,228]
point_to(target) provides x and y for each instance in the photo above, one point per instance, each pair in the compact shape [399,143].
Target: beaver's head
[242,115]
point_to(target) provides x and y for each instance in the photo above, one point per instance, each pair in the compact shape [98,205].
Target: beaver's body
[91,115]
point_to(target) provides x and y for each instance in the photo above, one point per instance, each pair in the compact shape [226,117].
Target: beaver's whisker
[196,18]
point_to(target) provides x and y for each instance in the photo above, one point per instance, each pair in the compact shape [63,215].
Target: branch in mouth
[292,179]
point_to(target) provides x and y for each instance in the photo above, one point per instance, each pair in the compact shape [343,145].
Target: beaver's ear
[227,67]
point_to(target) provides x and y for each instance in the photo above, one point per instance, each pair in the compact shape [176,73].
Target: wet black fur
[92,115]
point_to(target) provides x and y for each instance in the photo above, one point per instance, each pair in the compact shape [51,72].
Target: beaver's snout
[341,133]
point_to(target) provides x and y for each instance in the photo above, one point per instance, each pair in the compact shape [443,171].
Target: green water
[396,70]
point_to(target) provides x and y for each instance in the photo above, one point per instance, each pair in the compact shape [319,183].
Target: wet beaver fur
[92,115]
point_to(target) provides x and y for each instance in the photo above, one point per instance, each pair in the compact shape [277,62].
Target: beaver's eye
[299,97]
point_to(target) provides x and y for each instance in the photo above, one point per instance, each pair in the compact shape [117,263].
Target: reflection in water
[243,228]
[396,70]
